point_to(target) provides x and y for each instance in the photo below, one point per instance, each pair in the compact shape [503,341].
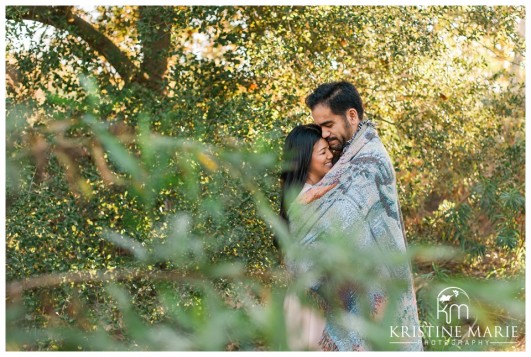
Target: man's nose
[325,134]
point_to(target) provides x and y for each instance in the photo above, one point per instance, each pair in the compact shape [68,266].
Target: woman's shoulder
[305,188]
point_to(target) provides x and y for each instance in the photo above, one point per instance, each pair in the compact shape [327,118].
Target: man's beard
[336,144]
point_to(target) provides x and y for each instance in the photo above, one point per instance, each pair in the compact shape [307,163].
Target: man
[337,108]
[358,198]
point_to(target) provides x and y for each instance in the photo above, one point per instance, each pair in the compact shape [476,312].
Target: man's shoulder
[374,155]
[375,145]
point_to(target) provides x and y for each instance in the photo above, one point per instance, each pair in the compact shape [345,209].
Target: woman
[308,159]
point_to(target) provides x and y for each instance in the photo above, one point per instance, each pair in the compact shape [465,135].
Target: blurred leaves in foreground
[172,289]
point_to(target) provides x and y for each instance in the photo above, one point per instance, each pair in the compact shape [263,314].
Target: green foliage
[149,164]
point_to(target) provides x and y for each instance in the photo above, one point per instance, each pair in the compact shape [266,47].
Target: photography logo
[453,306]
[455,324]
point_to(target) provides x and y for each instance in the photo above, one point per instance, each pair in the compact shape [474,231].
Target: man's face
[337,129]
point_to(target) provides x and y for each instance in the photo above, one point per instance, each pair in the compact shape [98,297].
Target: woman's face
[321,161]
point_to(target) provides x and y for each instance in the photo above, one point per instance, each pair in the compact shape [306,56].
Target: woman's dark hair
[298,149]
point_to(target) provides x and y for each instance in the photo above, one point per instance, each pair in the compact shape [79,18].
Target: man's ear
[352,116]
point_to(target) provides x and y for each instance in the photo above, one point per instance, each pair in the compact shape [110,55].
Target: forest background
[143,148]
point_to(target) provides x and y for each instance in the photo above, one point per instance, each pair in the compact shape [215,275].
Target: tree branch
[156,39]
[61,17]
[15,289]
[379,118]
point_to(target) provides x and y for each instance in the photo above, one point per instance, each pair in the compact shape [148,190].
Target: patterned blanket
[358,197]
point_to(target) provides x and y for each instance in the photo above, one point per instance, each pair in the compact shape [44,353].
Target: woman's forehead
[320,144]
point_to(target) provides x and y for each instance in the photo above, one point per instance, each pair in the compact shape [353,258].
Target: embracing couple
[344,182]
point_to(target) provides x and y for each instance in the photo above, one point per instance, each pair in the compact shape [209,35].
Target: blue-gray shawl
[360,194]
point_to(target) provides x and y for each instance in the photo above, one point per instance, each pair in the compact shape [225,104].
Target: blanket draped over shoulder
[359,196]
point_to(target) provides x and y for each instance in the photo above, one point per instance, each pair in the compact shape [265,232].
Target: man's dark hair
[338,96]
